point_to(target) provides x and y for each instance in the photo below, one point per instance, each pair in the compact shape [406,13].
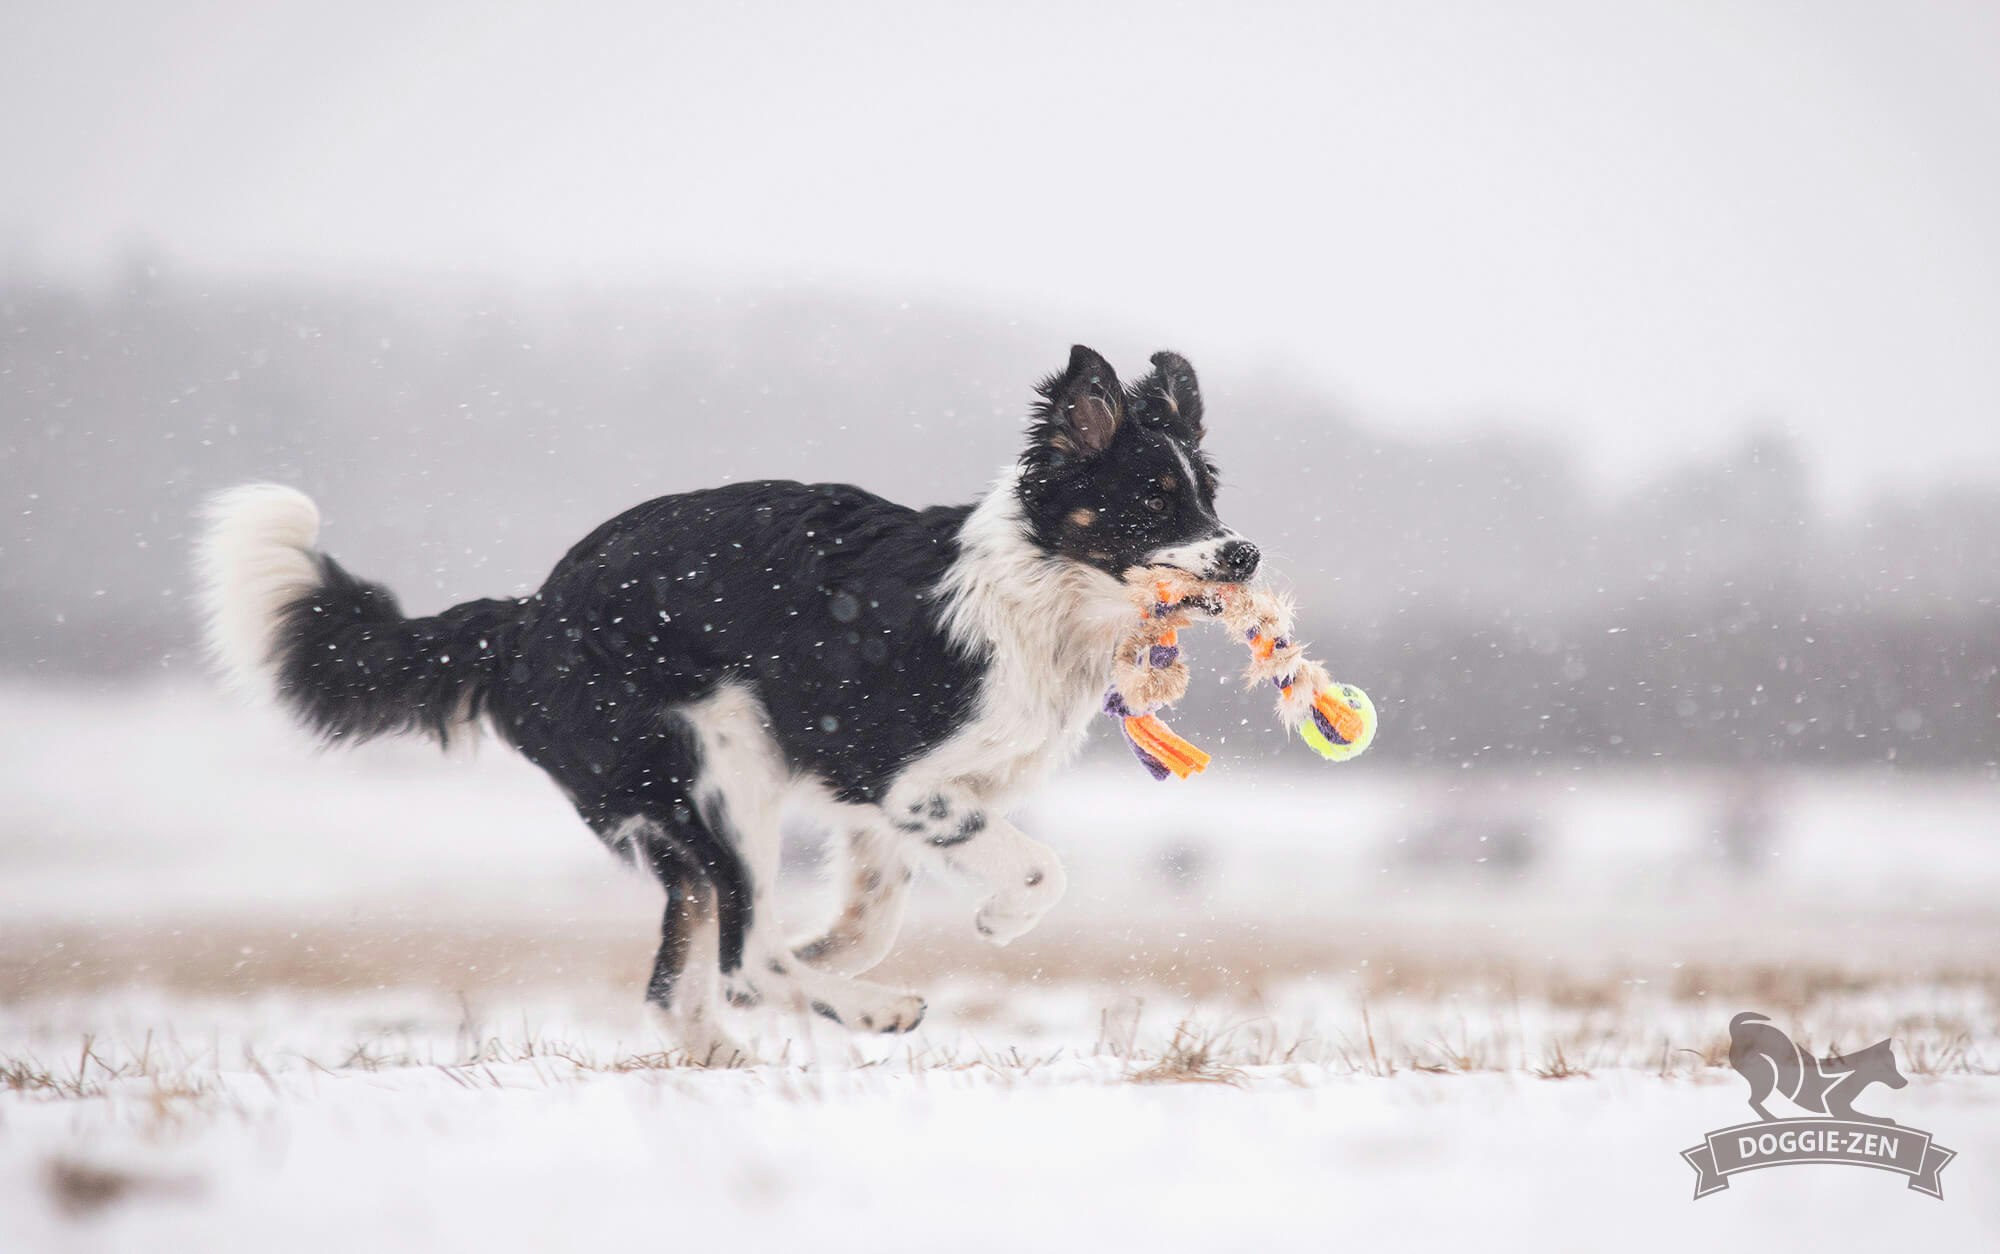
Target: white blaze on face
[1197,557]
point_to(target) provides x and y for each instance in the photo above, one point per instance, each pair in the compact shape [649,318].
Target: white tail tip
[255,556]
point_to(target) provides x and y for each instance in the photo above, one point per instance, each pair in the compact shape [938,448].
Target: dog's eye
[1158,504]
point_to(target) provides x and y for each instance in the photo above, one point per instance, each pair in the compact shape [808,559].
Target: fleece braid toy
[1336,720]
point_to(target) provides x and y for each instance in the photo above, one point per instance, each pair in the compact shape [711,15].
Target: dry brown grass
[1436,1014]
[1953,1055]
[165,1087]
[1557,1064]
[1442,1055]
[1190,960]
[322,956]
[1192,1056]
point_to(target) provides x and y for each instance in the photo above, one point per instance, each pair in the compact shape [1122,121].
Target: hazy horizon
[1637,234]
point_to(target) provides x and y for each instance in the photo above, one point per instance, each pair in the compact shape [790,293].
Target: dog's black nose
[1239,559]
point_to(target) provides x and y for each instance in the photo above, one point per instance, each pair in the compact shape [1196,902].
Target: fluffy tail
[284,621]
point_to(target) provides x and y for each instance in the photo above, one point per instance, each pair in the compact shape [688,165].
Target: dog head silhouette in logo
[1769,1060]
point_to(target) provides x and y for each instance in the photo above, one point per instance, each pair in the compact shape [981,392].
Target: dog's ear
[1083,406]
[1173,392]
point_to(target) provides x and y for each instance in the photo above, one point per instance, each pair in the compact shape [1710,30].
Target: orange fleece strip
[1157,739]
[1345,718]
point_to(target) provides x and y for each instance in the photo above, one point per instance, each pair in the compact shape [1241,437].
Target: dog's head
[1115,478]
[1874,1064]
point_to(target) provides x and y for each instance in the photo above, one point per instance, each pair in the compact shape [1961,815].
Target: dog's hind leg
[687,971]
[644,808]
[877,885]
[739,791]
[669,839]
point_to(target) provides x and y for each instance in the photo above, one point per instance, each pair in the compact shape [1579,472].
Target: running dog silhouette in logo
[1768,1059]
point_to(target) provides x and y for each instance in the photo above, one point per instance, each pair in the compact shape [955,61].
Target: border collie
[701,660]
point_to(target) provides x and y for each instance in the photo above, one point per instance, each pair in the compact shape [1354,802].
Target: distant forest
[1500,607]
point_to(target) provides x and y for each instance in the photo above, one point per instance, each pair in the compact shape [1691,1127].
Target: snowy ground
[980,1151]
[252,998]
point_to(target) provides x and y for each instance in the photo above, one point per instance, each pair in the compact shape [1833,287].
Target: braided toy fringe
[1148,674]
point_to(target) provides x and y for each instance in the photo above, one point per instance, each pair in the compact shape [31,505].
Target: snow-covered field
[257,998]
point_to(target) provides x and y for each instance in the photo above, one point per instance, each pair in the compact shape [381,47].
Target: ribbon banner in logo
[1784,1142]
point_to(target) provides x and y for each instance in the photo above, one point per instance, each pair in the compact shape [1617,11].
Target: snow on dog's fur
[701,658]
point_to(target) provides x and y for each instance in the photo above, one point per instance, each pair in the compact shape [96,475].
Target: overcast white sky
[1636,226]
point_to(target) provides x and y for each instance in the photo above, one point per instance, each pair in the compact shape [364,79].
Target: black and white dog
[702,660]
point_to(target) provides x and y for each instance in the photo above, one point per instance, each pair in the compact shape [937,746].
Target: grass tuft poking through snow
[1192,1056]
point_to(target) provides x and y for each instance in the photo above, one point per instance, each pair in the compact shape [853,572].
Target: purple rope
[1114,705]
[1152,764]
[1326,728]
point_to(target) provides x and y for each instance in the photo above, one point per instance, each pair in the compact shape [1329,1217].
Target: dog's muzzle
[1227,558]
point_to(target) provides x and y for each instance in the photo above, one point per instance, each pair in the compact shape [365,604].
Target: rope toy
[1336,720]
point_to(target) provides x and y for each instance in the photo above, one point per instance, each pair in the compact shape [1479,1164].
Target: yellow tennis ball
[1343,732]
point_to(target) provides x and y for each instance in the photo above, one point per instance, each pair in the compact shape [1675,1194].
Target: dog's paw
[902,1014]
[718,1049]
[699,1041]
[1007,916]
[998,926]
[872,1008]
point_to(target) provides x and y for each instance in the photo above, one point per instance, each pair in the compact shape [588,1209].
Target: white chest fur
[1046,629]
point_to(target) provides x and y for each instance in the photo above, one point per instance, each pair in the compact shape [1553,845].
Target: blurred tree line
[459,438]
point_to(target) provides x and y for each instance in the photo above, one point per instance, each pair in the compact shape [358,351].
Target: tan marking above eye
[1083,516]
[1169,482]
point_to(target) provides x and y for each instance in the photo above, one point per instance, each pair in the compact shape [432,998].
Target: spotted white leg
[782,982]
[876,882]
[951,825]
[741,784]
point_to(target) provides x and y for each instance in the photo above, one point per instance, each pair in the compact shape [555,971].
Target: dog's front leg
[1022,876]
